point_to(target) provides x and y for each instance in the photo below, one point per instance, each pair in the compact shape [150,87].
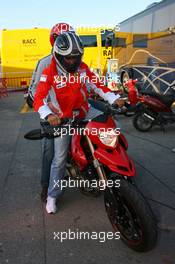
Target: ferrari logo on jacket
[43,78]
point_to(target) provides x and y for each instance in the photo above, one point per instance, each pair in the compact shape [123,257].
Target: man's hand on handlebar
[119,102]
[53,120]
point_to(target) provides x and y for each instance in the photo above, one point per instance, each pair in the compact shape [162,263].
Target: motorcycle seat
[166,99]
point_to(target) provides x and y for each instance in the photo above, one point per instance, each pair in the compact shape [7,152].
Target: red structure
[3,87]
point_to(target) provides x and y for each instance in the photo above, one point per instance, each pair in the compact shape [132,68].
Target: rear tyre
[131,215]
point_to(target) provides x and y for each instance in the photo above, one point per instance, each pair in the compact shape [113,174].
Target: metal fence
[3,88]
[10,82]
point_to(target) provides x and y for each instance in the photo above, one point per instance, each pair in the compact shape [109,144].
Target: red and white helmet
[59,29]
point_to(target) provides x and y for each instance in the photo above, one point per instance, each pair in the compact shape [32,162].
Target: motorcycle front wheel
[131,215]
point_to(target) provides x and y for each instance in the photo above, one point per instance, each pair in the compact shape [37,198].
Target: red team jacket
[68,92]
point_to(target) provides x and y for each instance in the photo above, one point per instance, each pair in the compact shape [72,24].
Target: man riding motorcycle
[47,145]
[69,79]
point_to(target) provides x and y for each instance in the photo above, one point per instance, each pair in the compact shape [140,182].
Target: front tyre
[143,122]
[131,215]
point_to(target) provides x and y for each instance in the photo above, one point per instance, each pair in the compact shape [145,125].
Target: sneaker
[51,205]
[43,194]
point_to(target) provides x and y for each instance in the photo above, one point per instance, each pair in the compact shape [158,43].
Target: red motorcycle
[99,154]
[151,108]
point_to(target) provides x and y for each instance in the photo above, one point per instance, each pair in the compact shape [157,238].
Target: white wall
[163,18]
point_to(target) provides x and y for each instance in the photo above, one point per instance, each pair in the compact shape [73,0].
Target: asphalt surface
[27,232]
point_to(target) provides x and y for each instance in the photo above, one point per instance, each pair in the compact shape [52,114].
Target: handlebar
[106,108]
[49,131]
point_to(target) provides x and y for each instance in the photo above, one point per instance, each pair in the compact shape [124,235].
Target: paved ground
[26,232]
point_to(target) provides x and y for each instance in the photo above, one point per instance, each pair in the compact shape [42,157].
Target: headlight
[109,138]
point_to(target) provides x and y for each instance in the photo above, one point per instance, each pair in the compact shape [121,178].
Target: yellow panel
[20,51]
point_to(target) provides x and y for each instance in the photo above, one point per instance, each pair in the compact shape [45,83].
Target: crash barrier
[3,88]
[12,82]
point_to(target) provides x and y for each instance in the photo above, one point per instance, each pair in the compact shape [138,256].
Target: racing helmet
[68,51]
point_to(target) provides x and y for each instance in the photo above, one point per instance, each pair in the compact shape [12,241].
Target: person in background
[47,144]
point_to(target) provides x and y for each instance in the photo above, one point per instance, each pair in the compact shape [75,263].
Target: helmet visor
[62,42]
[71,63]
[71,60]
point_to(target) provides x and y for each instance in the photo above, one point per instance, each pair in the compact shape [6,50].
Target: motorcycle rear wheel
[131,215]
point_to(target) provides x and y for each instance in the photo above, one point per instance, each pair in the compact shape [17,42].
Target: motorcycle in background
[151,108]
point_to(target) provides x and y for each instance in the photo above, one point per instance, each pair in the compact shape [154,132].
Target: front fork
[101,174]
[98,167]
